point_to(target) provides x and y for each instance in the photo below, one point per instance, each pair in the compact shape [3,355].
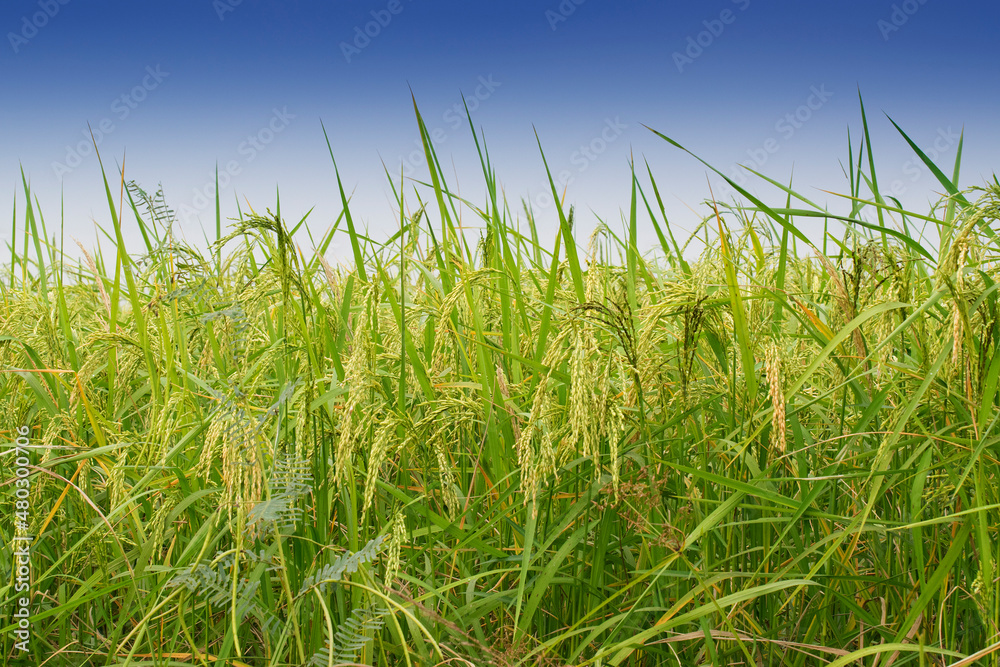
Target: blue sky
[177,86]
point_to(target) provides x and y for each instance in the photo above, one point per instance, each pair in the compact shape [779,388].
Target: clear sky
[177,86]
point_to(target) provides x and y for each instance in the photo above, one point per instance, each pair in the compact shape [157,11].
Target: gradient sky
[179,86]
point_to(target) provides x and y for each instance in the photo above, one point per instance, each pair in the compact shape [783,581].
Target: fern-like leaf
[345,563]
[214,584]
[351,637]
[290,480]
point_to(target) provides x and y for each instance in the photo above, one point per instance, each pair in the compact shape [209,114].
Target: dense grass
[514,451]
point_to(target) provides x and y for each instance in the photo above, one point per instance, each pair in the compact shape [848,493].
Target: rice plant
[746,447]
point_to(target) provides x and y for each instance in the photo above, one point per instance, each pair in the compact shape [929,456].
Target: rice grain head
[584,414]
[384,438]
[397,537]
[956,333]
[357,373]
[772,365]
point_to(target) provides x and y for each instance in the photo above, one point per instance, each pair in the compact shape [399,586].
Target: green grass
[493,450]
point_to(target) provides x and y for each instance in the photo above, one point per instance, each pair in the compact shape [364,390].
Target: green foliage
[749,447]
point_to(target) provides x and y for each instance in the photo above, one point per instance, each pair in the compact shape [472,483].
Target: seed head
[772,365]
